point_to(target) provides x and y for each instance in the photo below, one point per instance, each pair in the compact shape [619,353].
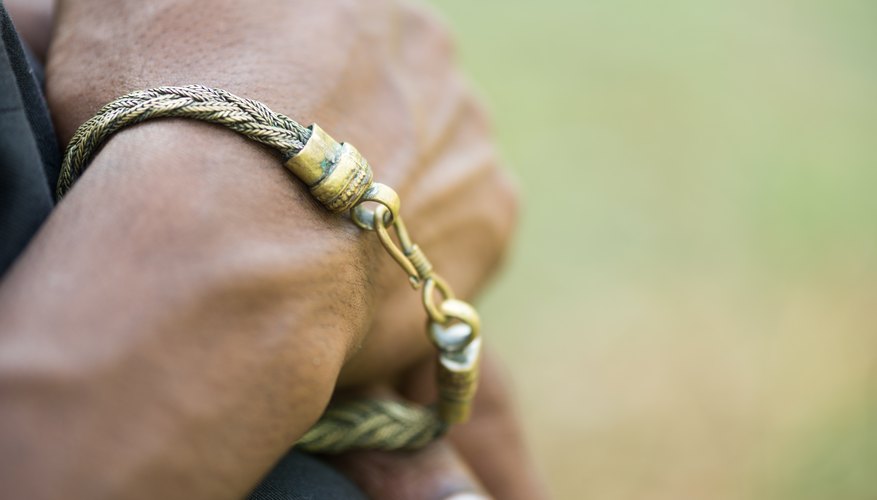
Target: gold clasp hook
[384,214]
[400,255]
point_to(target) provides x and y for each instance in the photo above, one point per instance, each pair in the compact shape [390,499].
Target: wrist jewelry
[341,180]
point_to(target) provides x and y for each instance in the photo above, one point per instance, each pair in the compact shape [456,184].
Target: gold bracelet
[342,181]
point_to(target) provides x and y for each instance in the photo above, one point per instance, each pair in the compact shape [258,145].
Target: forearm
[185,312]
[154,333]
[182,317]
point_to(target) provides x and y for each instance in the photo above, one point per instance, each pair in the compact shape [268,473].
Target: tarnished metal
[458,339]
[338,176]
[364,217]
[430,286]
[316,158]
[457,378]
[398,254]
[419,260]
[345,183]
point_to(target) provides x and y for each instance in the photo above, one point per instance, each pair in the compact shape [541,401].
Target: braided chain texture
[373,424]
[245,116]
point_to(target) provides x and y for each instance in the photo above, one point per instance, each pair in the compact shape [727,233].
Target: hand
[187,276]
[379,75]
[487,455]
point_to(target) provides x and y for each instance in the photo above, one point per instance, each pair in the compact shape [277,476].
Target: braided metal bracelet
[341,180]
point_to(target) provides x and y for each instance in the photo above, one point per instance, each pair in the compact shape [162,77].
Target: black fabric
[31,79]
[29,156]
[29,164]
[303,477]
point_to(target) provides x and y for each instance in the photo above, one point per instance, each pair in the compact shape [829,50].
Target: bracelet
[341,180]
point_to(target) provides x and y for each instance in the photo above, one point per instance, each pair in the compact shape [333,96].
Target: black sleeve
[29,155]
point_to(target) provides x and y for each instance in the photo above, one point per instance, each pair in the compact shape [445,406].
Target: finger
[492,441]
[466,250]
[435,472]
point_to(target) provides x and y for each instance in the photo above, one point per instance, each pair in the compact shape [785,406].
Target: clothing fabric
[303,477]
[29,164]
[29,154]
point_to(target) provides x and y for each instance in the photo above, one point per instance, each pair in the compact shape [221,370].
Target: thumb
[434,473]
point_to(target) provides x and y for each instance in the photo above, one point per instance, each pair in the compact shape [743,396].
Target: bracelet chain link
[343,179]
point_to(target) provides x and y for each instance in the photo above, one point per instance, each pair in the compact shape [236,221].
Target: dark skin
[188,311]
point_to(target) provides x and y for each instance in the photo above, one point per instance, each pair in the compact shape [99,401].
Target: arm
[33,21]
[184,315]
[188,343]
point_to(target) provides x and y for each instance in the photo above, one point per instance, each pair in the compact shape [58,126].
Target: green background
[690,310]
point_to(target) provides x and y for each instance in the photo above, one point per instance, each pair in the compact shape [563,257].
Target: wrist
[194,287]
[220,216]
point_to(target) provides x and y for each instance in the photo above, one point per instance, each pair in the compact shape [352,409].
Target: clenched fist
[201,308]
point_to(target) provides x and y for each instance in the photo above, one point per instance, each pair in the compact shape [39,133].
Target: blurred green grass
[691,307]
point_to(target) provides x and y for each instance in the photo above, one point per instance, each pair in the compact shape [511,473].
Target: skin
[188,311]
[33,21]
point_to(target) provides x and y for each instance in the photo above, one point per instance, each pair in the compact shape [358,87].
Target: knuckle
[425,24]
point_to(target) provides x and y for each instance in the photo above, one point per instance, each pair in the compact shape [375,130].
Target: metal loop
[383,195]
[419,261]
[429,287]
[461,326]
[399,255]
